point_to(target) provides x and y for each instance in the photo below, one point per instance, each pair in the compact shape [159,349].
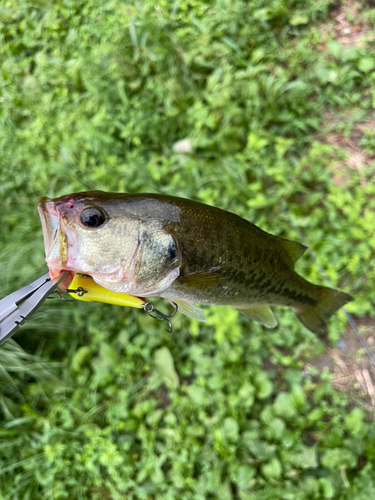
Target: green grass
[100,402]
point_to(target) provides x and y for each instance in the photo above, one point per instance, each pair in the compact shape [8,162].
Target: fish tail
[315,317]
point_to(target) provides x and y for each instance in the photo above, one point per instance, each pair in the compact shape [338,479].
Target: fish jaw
[58,242]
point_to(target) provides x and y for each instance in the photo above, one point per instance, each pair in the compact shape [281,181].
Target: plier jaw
[17,307]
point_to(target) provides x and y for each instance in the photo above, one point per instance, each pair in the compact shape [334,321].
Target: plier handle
[17,307]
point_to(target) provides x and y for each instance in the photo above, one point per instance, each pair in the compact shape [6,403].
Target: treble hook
[80,292]
[149,308]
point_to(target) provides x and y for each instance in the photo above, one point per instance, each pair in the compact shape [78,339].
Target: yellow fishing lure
[87,290]
[84,288]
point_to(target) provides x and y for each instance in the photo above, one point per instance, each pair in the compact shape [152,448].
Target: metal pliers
[21,304]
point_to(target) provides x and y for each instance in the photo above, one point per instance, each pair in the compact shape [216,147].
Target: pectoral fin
[262,314]
[190,310]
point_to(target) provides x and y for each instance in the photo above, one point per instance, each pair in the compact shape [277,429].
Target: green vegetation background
[98,402]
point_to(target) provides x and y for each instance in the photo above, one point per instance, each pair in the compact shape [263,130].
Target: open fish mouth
[55,239]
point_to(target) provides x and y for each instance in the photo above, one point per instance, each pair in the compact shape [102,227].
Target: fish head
[87,233]
[120,240]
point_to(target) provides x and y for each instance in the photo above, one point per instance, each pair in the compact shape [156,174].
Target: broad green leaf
[165,366]
[366,64]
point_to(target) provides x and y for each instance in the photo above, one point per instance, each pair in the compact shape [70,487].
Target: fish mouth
[56,243]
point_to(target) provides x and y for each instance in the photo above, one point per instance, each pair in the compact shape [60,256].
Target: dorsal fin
[294,249]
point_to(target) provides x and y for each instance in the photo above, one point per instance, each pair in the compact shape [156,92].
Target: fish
[189,253]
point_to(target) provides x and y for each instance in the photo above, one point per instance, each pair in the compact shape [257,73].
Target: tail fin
[315,318]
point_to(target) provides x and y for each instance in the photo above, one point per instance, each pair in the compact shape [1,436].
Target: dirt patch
[349,25]
[355,158]
[350,365]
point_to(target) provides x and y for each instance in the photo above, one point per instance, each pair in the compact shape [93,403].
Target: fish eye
[93,217]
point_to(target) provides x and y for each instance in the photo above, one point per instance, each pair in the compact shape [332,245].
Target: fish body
[153,245]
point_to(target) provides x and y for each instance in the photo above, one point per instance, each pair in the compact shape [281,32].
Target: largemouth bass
[151,245]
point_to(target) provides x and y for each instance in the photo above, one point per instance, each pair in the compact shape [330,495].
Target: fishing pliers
[21,304]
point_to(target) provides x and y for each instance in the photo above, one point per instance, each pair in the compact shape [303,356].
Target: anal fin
[190,310]
[261,314]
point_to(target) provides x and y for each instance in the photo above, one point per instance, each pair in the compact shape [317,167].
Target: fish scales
[251,262]
[184,251]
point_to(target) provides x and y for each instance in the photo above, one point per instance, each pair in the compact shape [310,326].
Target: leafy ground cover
[274,97]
